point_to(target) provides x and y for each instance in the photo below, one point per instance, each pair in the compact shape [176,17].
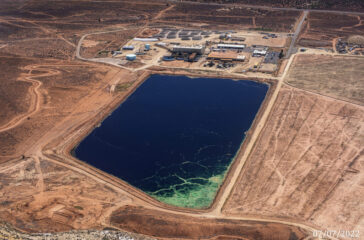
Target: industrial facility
[223,51]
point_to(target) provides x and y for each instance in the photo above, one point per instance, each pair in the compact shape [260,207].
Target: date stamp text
[324,234]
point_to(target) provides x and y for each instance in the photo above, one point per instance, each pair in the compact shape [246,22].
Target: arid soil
[306,164]
[334,76]
[321,29]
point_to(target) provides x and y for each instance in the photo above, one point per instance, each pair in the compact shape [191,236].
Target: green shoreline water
[201,196]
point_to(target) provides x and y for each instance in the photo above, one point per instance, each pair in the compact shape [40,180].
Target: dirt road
[160,14]
[35,95]
[296,33]
[254,137]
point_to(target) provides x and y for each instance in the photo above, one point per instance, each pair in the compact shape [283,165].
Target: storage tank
[147,47]
[131,57]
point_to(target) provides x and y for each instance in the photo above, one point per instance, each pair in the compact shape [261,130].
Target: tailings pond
[175,137]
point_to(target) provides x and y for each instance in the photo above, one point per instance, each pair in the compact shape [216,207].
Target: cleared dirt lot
[95,43]
[306,165]
[334,76]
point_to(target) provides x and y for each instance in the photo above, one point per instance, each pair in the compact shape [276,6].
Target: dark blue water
[175,136]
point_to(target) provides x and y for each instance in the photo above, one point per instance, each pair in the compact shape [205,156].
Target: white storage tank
[130,57]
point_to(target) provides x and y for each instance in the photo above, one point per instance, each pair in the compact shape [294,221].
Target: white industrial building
[146,39]
[259,53]
[188,49]
[231,46]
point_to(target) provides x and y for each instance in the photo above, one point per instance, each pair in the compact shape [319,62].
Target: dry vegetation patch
[322,28]
[41,48]
[14,97]
[232,17]
[334,76]
[356,39]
